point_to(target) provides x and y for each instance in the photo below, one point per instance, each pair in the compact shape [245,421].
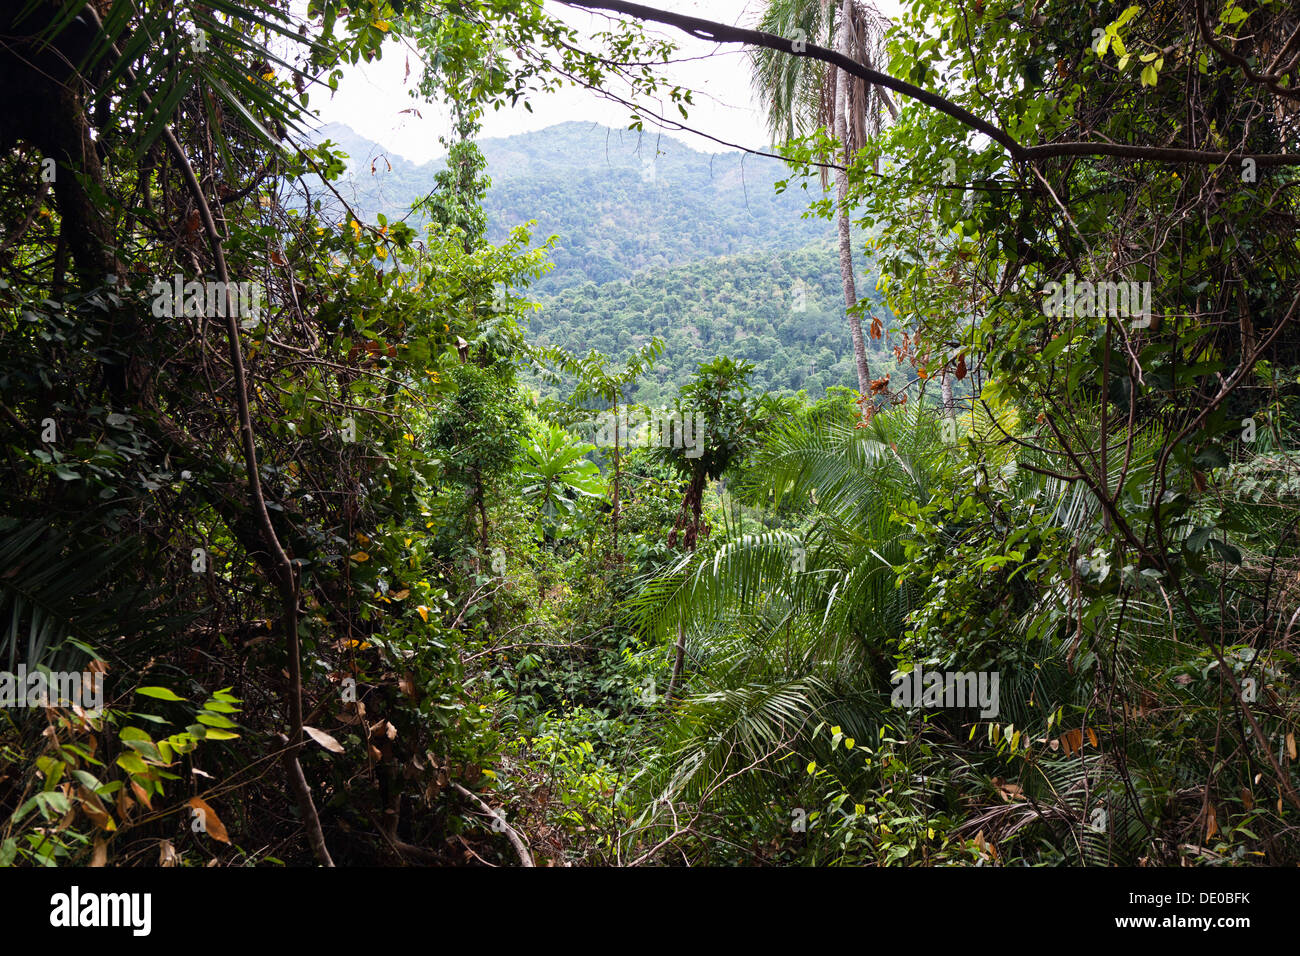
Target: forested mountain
[619,200]
[654,239]
[782,311]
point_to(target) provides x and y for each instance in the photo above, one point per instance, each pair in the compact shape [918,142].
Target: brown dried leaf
[142,795]
[93,807]
[324,739]
[124,803]
[212,824]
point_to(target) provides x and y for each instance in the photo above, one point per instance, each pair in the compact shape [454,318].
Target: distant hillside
[619,201]
[746,306]
[655,239]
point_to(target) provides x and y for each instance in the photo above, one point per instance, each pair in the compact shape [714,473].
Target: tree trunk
[679,664]
[842,221]
[479,504]
[945,391]
[692,513]
[617,467]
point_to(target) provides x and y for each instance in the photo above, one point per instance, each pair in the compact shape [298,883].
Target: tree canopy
[316,547]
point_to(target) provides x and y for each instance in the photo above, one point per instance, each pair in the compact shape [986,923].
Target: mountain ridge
[646,200]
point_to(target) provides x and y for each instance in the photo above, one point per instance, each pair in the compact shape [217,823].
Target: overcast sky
[371,97]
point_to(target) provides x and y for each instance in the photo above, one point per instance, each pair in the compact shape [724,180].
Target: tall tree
[726,420]
[803,96]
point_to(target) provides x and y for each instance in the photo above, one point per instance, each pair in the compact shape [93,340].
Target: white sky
[371,97]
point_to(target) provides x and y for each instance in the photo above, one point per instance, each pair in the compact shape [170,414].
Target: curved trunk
[842,221]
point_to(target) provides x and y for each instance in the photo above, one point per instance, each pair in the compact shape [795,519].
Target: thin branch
[521,849]
[722,33]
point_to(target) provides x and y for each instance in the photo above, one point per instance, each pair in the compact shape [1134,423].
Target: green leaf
[162,693]
[131,763]
[214,734]
[1226,551]
[215,720]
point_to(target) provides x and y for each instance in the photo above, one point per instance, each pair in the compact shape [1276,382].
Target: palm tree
[802,95]
[782,647]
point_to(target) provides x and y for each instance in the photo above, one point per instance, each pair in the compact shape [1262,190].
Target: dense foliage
[783,313]
[384,557]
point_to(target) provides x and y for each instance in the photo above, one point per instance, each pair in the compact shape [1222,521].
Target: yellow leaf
[1290,746]
[381,26]
[402,594]
[424,613]
[360,556]
[848,743]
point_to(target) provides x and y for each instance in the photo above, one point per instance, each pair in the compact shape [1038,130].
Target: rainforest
[914,484]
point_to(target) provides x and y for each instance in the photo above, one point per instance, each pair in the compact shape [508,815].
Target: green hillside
[619,201]
[654,238]
[746,306]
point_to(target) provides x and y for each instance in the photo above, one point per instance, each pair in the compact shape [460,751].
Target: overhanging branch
[722,33]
